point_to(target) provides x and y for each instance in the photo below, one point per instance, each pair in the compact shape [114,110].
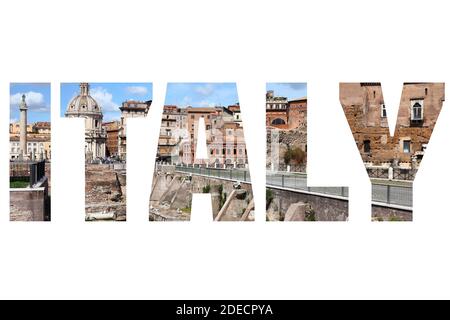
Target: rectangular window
[366,146]
[192,117]
[383,111]
[234,151]
[407,146]
[212,151]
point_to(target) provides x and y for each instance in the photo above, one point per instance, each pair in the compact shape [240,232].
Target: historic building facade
[173,134]
[366,114]
[285,114]
[286,125]
[276,110]
[130,109]
[38,146]
[84,106]
[224,136]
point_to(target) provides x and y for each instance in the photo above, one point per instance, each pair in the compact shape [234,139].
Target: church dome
[83,104]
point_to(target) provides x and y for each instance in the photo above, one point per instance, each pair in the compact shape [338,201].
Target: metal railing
[397,173]
[404,174]
[389,193]
[231,174]
[298,181]
[378,173]
[392,194]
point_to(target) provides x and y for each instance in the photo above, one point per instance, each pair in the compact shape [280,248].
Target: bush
[310,216]
[207,189]
[294,156]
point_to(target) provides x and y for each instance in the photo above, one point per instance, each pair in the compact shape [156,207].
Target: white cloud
[187,101]
[205,90]
[141,90]
[104,99]
[35,101]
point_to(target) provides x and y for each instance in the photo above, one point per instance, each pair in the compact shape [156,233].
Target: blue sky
[37,99]
[108,95]
[289,90]
[201,94]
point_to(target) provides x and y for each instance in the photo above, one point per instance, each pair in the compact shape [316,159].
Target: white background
[251,43]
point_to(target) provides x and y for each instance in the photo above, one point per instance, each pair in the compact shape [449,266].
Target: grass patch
[19,182]
[186,210]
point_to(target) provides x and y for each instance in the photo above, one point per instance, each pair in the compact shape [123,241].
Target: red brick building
[112,137]
[285,114]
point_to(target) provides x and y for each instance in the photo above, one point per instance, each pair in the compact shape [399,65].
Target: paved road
[388,192]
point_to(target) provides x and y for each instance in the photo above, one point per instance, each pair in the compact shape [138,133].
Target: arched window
[417,112]
[278,121]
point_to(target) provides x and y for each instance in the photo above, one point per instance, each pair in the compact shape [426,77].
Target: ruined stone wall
[325,208]
[362,104]
[105,191]
[27,204]
[293,139]
[237,205]
[171,197]
[380,213]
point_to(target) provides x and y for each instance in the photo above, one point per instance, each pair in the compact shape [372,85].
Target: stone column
[94,149]
[23,128]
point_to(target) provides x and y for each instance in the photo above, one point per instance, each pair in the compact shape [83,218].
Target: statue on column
[23,128]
